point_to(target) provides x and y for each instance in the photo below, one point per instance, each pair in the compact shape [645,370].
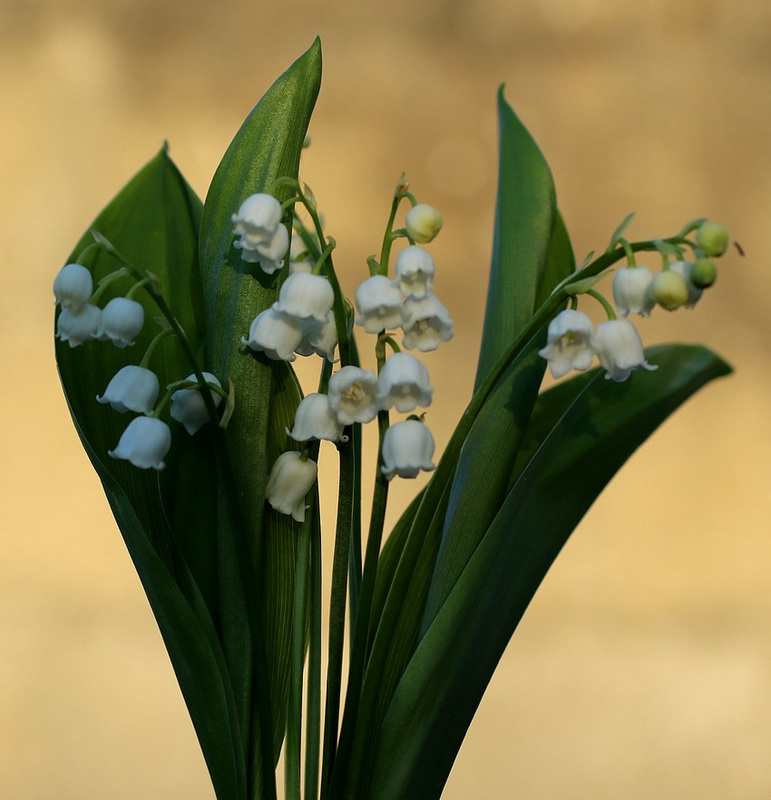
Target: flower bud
[684,269]
[78,328]
[132,389]
[122,319]
[407,448]
[144,443]
[712,238]
[423,223]
[73,287]
[703,273]
[290,480]
[189,407]
[669,290]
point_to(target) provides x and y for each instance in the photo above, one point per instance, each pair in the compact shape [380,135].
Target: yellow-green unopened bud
[423,223]
[712,237]
[703,273]
[669,290]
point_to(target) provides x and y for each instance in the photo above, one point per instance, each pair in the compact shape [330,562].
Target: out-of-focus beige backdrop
[643,668]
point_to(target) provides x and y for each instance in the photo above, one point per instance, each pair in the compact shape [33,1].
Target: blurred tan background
[643,668]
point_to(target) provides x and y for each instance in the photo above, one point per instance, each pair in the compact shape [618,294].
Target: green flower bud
[669,290]
[712,238]
[703,273]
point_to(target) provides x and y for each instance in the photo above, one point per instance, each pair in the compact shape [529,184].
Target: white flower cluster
[572,341]
[120,321]
[146,440]
[263,239]
[296,324]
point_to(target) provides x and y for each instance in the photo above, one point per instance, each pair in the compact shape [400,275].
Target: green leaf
[619,232]
[267,147]
[580,446]
[525,217]
[165,518]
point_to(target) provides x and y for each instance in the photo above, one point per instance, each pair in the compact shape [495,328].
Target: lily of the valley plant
[178,323]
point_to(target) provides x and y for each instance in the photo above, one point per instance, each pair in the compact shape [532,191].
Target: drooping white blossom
[631,291]
[78,328]
[408,447]
[423,223]
[122,319]
[305,297]
[319,338]
[289,482]
[415,270]
[258,216]
[404,383]
[144,443]
[132,388]
[353,395]
[619,348]
[275,334]
[428,323]
[569,343]
[73,287]
[380,304]
[315,419]
[189,407]
[268,252]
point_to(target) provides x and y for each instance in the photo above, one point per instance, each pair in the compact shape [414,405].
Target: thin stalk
[313,700]
[345,503]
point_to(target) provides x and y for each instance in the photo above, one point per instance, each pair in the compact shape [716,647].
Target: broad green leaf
[587,441]
[525,217]
[481,479]
[266,147]
[165,518]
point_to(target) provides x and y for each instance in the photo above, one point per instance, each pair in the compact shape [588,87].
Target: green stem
[313,703]
[151,347]
[345,505]
[385,252]
[603,302]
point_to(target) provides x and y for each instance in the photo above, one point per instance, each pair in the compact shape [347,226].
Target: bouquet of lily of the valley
[177,327]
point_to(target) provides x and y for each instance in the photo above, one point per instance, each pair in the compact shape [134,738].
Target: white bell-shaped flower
[73,287]
[305,297]
[403,382]
[78,328]
[408,447]
[267,252]
[569,343]
[415,271]
[320,339]
[423,223]
[620,349]
[122,319]
[353,395]
[275,334]
[189,407]
[258,216]
[631,291]
[144,443]
[289,482]
[428,323]
[132,388]
[683,269]
[380,304]
[314,419]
